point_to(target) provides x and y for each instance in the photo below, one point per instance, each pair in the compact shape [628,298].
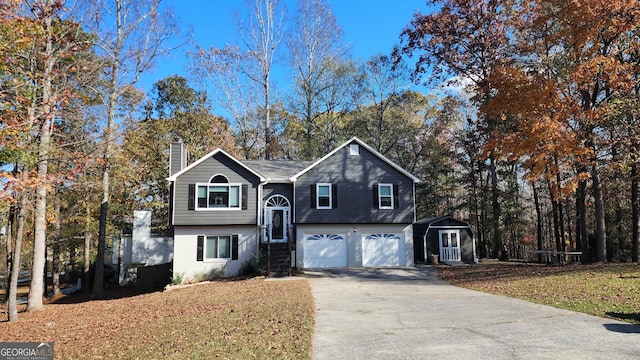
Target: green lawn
[241,319]
[606,290]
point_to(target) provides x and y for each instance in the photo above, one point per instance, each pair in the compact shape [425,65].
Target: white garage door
[325,250]
[382,250]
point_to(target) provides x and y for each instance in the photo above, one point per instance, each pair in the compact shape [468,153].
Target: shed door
[449,245]
[325,250]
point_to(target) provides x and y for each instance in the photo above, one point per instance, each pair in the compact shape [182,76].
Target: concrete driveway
[407,313]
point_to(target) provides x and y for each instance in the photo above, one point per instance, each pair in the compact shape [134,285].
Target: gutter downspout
[261,229]
[293,222]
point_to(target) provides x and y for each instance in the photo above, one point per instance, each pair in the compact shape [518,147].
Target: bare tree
[316,52]
[224,70]
[262,35]
[131,35]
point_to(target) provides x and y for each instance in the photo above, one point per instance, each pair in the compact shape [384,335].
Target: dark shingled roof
[421,226]
[277,169]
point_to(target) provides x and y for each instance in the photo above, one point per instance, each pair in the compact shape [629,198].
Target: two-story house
[351,208]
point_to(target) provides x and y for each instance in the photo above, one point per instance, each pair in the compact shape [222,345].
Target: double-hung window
[219,194]
[385,196]
[323,196]
[217,247]
[212,247]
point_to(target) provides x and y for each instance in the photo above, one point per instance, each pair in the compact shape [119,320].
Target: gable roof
[421,226]
[209,155]
[288,170]
[364,145]
[277,170]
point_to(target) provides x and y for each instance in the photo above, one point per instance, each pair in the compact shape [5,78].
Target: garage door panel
[325,250]
[382,250]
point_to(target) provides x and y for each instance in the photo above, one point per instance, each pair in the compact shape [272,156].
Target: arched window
[219,179]
[219,194]
[277,201]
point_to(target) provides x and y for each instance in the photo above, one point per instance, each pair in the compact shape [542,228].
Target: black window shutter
[395,196]
[171,199]
[192,196]
[313,196]
[375,197]
[234,247]
[245,190]
[200,248]
[334,196]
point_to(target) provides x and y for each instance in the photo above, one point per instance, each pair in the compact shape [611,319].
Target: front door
[276,218]
[449,245]
[278,221]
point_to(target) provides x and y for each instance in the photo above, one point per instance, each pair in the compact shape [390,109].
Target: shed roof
[421,226]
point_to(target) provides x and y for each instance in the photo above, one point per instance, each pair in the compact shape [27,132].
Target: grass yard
[241,319]
[606,290]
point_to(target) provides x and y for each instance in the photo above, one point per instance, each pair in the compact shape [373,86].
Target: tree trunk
[87,242]
[601,230]
[554,210]
[558,200]
[9,238]
[495,206]
[562,232]
[267,120]
[539,225]
[12,302]
[620,233]
[581,222]
[98,280]
[38,274]
[55,267]
[635,210]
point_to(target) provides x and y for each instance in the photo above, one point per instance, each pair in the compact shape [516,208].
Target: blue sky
[370,27]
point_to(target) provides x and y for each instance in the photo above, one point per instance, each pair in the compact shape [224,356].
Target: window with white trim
[219,194]
[385,196]
[323,196]
[354,149]
[217,247]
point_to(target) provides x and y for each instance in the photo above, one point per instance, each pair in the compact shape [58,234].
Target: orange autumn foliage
[553,101]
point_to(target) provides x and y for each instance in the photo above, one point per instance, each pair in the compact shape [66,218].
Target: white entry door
[449,245]
[278,221]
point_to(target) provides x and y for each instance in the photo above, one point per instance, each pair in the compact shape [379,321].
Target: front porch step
[280,265]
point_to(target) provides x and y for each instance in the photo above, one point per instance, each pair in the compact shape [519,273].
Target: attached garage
[383,250]
[325,250]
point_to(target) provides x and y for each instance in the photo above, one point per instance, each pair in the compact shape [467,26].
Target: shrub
[216,274]
[252,267]
[177,278]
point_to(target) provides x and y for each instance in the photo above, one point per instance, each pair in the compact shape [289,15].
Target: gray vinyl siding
[177,157]
[285,190]
[202,173]
[354,177]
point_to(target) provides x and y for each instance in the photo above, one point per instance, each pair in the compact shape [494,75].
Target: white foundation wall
[185,250]
[354,234]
